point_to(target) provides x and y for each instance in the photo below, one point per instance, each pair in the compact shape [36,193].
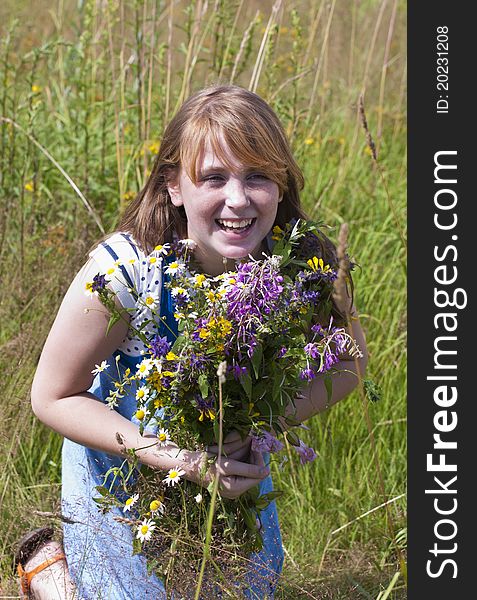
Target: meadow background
[86,87]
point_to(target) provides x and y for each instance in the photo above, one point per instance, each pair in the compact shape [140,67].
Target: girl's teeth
[235,224]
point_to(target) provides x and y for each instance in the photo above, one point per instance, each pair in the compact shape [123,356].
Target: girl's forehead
[211,156]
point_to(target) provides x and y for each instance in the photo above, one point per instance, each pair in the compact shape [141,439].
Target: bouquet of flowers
[248,341]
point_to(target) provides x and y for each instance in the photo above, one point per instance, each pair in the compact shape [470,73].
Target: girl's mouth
[235,227]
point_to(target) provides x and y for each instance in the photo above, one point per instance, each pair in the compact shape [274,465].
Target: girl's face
[229,210]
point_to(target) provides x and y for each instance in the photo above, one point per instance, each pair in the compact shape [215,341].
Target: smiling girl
[224,177]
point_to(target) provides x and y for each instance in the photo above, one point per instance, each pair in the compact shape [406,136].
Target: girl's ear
[174,189]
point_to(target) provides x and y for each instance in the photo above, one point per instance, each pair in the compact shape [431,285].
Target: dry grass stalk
[364,122]
[257,69]
[340,284]
[384,70]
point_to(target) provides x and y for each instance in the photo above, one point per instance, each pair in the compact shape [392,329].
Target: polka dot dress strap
[168,326]
[123,270]
[127,237]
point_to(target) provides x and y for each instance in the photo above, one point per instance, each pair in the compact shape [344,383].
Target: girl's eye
[257,177]
[213,178]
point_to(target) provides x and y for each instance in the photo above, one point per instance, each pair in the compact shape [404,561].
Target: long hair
[216,114]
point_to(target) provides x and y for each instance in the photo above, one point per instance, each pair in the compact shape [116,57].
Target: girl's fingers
[231,447]
[242,454]
[233,436]
[256,458]
[228,467]
[233,487]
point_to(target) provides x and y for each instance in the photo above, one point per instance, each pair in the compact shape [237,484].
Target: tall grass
[84,97]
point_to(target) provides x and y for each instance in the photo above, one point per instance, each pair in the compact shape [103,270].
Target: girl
[224,177]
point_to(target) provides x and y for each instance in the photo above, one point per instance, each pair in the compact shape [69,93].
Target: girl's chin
[236,252]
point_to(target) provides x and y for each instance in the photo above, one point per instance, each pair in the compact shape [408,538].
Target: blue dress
[99,548]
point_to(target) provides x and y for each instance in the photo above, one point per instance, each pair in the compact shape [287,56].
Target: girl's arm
[77,343]
[314,397]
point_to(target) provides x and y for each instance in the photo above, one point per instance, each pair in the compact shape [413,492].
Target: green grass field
[85,91]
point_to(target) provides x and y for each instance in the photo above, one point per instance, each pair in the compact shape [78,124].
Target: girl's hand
[236,477]
[233,447]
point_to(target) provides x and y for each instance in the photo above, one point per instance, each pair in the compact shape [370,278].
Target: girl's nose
[236,195]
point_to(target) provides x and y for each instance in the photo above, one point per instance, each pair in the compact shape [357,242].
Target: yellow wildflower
[129,195]
[277,233]
[29,186]
[171,356]
[199,280]
[154,147]
[309,141]
[36,89]
[208,413]
[318,264]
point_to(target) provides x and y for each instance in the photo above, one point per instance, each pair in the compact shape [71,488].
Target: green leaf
[292,438]
[372,390]
[246,382]
[113,319]
[273,495]
[102,490]
[137,548]
[257,359]
[292,421]
[249,518]
[329,388]
[216,428]
[203,386]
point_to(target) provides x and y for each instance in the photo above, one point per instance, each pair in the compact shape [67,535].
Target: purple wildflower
[283,350]
[312,350]
[258,291]
[306,454]
[317,328]
[330,360]
[99,283]
[266,442]
[308,374]
[159,346]
[237,371]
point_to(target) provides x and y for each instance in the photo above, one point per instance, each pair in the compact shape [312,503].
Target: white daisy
[188,243]
[100,368]
[150,301]
[179,291]
[157,506]
[130,502]
[174,267]
[145,529]
[142,393]
[144,367]
[88,289]
[155,261]
[113,269]
[141,414]
[163,437]
[198,498]
[174,476]
[162,249]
